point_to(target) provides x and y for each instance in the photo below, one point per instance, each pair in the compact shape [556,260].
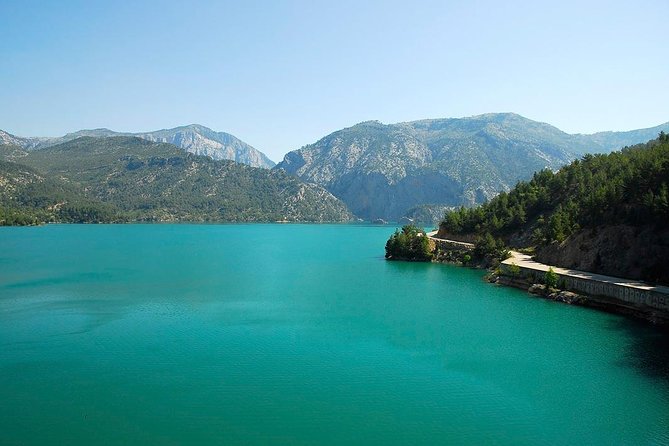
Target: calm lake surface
[301,335]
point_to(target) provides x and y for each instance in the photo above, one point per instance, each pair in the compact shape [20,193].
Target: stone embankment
[448,244]
[640,299]
[448,251]
[612,293]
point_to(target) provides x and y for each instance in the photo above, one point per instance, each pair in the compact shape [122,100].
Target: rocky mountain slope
[26,143]
[194,138]
[385,171]
[147,181]
[604,142]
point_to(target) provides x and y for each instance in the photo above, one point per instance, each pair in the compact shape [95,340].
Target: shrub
[514,270]
[551,278]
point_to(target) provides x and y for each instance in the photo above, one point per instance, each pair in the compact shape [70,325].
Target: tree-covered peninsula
[410,243]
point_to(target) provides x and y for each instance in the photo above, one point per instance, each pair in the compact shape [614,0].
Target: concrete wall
[450,245]
[638,298]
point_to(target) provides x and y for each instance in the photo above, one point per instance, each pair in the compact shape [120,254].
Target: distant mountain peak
[193,138]
[189,127]
[371,123]
[201,140]
[495,115]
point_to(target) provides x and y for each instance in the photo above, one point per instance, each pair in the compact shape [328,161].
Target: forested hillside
[28,197]
[602,213]
[138,180]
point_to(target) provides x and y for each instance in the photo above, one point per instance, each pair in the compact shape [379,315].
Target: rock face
[426,214]
[26,143]
[386,171]
[194,138]
[379,171]
[619,251]
[200,140]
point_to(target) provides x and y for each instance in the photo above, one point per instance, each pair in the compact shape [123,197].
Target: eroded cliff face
[200,140]
[386,171]
[621,251]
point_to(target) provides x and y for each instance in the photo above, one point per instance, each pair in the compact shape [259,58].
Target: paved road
[526,261]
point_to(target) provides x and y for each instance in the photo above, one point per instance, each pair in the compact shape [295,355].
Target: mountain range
[123,178]
[415,169]
[193,138]
[389,171]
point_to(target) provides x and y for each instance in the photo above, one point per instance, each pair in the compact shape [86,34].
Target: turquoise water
[301,335]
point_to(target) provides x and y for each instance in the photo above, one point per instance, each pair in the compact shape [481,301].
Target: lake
[301,335]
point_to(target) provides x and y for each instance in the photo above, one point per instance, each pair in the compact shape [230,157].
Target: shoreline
[610,294]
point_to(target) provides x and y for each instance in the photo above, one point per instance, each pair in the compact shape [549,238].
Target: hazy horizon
[282,75]
[241,137]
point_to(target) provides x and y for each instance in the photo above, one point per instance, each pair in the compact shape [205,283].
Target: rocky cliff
[615,250]
[386,171]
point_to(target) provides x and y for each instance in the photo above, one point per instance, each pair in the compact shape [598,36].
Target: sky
[282,74]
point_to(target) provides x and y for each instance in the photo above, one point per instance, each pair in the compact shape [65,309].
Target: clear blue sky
[281,74]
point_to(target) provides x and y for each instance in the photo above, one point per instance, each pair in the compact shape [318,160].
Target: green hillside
[28,197]
[602,213]
[146,181]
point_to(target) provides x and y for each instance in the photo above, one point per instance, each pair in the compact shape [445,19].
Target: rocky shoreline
[539,290]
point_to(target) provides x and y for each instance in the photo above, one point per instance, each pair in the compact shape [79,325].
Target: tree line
[626,187]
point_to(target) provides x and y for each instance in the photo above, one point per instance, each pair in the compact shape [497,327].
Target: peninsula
[600,226]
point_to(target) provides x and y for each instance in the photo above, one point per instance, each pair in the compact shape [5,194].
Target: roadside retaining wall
[450,245]
[645,299]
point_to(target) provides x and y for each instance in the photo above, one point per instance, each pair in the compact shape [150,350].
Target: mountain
[604,142]
[606,214]
[386,171]
[28,197]
[11,152]
[200,140]
[26,143]
[382,171]
[194,138]
[142,180]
